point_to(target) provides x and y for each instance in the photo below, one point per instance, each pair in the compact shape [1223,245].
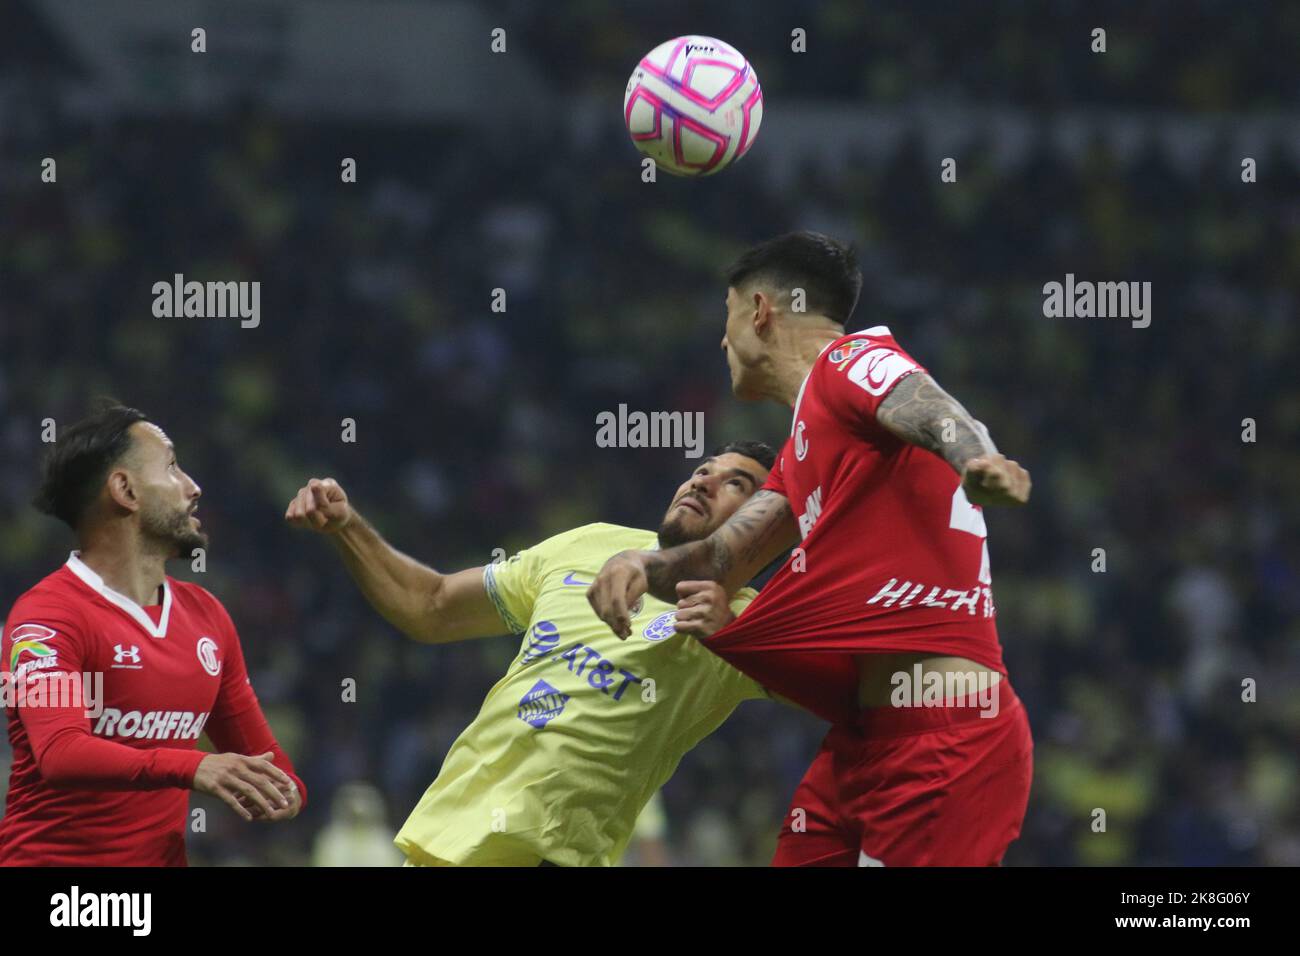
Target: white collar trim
[96,584]
[876,330]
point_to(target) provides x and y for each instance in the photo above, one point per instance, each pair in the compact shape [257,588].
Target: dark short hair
[827,271]
[81,459]
[760,451]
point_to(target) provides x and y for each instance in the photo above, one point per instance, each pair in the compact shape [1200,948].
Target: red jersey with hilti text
[106,701]
[893,558]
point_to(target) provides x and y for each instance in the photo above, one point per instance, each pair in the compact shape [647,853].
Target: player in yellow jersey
[583,728]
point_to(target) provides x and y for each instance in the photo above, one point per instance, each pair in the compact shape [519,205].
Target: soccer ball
[693,105]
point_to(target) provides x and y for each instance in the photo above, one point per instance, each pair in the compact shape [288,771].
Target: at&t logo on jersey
[542,704]
[598,669]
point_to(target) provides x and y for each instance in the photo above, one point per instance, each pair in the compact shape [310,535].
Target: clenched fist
[320,505]
[702,608]
[995,480]
[253,787]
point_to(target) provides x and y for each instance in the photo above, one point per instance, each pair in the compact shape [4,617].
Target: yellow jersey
[583,728]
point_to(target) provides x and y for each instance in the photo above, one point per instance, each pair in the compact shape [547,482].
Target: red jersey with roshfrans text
[893,557]
[103,781]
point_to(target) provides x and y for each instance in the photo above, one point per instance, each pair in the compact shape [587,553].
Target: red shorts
[923,786]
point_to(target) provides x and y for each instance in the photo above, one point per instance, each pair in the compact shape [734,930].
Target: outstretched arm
[761,529]
[918,411]
[420,602]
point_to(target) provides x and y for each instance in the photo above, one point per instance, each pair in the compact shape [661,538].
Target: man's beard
[674,532]
[175,530]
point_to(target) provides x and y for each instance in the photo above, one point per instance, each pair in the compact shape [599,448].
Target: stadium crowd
[1160,689]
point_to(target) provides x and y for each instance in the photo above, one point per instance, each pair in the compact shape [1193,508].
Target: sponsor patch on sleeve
[28,650]
[879,368]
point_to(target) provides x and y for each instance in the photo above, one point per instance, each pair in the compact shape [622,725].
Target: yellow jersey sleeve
[742,599]
[515,584]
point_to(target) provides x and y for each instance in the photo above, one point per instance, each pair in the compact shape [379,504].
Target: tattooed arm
[761,529]
[918,411]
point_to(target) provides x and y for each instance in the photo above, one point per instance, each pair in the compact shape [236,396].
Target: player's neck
[792,362]
[126,566]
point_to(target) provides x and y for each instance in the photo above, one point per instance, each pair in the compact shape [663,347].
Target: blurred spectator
[358,833]
[475,429]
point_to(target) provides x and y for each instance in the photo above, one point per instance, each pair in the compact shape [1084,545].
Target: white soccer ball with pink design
[693,105]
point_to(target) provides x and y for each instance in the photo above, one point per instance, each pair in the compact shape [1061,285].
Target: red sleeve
[776,477]
[237,724]
[855,387]
[67,753]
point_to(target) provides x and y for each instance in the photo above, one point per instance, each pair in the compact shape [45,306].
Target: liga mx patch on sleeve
[541,705]
[842,355]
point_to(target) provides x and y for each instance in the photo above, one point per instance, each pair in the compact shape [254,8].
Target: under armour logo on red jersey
[126,656]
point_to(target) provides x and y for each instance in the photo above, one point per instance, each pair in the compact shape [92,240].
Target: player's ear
[762,312]
[122,491]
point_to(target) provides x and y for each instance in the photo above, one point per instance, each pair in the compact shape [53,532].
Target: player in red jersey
[882,621]
[112,670]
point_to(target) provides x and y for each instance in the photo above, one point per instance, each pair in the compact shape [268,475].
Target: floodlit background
[476,430]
